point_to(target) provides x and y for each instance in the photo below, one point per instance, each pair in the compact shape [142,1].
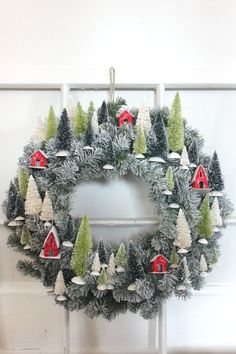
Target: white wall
[146,41]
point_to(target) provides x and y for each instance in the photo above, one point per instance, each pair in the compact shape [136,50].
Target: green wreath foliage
[136,288]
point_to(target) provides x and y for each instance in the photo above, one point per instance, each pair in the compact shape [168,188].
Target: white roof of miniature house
[196,172]
[54,231]
[19,218]
[42,152]
[62,153]
[158,255]
[123,109]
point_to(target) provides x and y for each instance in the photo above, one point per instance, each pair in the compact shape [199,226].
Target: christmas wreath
[186,189]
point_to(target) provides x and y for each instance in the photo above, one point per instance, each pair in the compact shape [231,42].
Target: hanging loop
[112,84]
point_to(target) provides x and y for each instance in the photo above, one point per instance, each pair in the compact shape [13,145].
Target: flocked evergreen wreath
[185,189]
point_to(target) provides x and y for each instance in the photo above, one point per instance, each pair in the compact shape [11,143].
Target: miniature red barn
[39,159]
[51,245]
[125,117]
[159,264]
[200,179]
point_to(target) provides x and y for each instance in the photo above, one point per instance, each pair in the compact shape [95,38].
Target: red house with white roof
[159,264]
[51,245]
[125,117]
[39,159]
[200,179]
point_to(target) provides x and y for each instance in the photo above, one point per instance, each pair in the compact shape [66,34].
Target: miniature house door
[51,252]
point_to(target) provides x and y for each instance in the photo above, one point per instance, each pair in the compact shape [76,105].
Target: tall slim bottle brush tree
[80,121]
[51,125]
[140,146]
[175,129]
[64,133]
[81,251]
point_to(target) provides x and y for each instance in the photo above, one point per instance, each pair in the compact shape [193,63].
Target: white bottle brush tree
[96,265]
[203,266]
[110,272]
[183,236]
[184,161]
[144,118]
[94,123]
[39,133]
[187,271]
[60,288]
[33,201]
[47,209]
[215,215]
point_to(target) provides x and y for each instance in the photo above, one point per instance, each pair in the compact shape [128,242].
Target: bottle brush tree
[33,201]
[103,256]
[90,111]
[39,133]
[103,113]
[25,236]
[176,126]
[82,248]
[80,121]
[96,265]
[23,179]
[11,201]
[134,266]
[70,229]
[139,146]
[187,271]
[184,161]
[215,257]
[60,287]
[174,258]
[215,213]
[176,192]
[152,144]
[144,118]
[203,264]
[110,272]
[20,207]
[47,209]
[205,224]
[94,123]
[64,133]
[214,174]
[51,125]
[89,134]
[102,280]
[193,152]
[110,154]
[121,258]
[183,236]
[111,266]
[161,138]
[169,179]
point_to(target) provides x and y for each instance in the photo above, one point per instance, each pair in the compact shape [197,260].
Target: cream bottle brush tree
[33,201]
[183,236]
